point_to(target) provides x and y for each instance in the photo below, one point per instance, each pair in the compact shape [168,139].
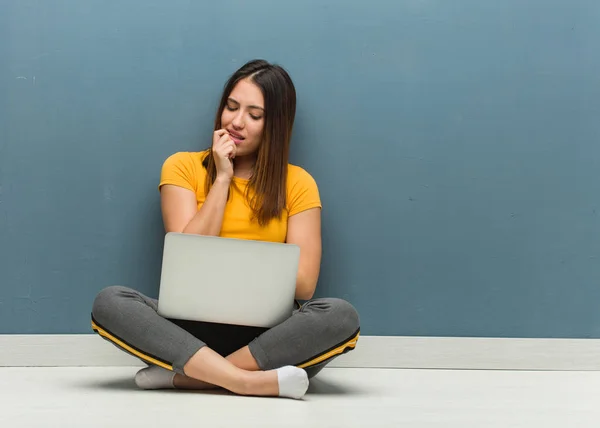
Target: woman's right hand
[223,151]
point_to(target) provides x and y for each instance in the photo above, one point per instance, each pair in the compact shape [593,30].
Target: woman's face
[243,117]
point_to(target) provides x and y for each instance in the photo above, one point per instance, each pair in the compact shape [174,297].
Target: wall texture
[456,145]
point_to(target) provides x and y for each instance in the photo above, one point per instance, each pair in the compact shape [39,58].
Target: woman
[242,187]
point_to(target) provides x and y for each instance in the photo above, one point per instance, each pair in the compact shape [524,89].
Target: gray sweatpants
[311,337]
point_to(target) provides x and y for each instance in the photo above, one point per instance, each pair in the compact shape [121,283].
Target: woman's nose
[238,121]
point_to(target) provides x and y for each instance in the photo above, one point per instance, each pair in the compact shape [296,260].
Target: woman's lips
[237,138]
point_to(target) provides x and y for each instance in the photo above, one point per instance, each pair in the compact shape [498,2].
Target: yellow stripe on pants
[123,345]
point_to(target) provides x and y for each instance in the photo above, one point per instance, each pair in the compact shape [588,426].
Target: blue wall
[456,144]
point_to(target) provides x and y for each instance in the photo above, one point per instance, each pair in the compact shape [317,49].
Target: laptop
[227,281]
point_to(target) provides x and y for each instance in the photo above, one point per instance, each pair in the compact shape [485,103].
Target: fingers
[221,141]
[219,133]
[230,149]
[226,144]
[219,138]
[223,145]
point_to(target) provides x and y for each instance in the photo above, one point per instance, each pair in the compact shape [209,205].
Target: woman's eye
[230,108]
[255,117]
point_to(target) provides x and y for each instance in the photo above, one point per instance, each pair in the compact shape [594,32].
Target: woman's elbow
[305,290]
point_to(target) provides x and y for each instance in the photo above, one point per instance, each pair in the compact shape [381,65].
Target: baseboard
[371,352]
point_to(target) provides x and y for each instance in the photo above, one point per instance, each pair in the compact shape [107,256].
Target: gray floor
[107,397]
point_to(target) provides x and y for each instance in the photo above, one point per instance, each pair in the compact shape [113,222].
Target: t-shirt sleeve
[303,194]
[179,170]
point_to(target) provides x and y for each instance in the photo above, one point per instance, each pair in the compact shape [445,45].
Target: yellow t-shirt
[184,169]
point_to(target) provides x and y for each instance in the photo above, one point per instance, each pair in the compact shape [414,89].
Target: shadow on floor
[128,384]
[320,386]
[124,384]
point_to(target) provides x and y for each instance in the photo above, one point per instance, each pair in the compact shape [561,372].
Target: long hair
[269,177]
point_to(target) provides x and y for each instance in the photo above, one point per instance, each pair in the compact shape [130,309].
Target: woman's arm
[304,230]
[180,213]
[179,206]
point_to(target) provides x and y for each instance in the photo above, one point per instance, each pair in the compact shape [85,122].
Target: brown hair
[268,180]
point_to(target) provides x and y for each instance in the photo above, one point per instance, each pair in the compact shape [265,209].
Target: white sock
[155,377]
[293,382]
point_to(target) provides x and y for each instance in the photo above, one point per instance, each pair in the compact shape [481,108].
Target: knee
[342,316]
[347,314]
[106,302]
